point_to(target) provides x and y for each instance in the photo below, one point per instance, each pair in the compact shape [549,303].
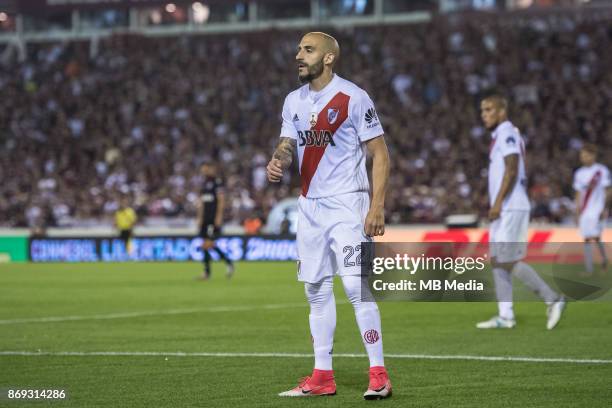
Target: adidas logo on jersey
[316,138]
[295,118]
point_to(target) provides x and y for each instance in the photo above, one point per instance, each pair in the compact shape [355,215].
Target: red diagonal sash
[592,184]
[313,154]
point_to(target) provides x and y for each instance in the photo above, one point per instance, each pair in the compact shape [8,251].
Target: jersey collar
[494,132]
[331,85]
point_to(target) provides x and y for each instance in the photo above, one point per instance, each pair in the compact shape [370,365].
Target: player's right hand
[275,171]
[494,212]
[375,222]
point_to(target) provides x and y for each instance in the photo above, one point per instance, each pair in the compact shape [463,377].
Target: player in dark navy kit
[211,204]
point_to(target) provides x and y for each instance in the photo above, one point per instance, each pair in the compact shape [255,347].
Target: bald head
[326,42]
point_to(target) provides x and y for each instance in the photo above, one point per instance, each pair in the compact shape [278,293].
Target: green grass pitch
[160,308]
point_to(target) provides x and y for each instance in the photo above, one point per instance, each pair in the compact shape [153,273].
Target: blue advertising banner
[162,248]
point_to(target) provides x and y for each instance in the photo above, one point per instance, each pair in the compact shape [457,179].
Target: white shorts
[330,231]
[591,226]
[508,236]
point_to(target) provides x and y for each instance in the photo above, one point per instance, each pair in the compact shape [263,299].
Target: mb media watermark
[427,284]
[447,271]
[412,264]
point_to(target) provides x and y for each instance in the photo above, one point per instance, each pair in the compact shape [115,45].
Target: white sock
[602,251]
[503,290]
[322,319]
[588,256]
[367,316]
[532,280]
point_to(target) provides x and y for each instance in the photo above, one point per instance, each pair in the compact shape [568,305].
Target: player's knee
[319,293]
[354,298]
[508,266]
[355,288]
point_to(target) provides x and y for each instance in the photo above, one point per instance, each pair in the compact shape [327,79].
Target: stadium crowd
[83,124]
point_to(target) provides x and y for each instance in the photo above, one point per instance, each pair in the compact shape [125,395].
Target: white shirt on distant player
[507,140]
[591,182]
[330,127]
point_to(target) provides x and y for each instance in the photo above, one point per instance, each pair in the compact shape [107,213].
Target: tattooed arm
[281,159]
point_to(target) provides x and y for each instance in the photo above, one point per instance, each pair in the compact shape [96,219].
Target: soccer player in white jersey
[331,123]
[509,216]
[593,193]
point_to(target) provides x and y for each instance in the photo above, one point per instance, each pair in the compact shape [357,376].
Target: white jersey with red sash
[591,182]
[330,127]
[507,140]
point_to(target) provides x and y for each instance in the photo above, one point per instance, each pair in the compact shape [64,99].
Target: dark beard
[493,127]
[314,71]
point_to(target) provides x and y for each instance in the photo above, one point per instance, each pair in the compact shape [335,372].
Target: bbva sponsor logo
[316,138]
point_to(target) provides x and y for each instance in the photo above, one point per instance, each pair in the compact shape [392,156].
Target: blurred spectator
[252,225]
[139,117]
[125,220]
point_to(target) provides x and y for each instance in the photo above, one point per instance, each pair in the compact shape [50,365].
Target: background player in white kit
[332,122]
[509,216]
[593,195]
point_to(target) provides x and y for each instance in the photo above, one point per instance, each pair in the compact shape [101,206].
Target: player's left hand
[494,213]
[375,222]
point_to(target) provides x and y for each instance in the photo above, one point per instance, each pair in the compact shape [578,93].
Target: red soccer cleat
[321,383]
[380,385]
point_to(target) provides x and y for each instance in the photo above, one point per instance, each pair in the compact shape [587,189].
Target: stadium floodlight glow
[3,17]
[170,7]
[156,17]
[201,12]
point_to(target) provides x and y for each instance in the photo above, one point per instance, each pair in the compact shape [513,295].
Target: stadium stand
[135,115]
